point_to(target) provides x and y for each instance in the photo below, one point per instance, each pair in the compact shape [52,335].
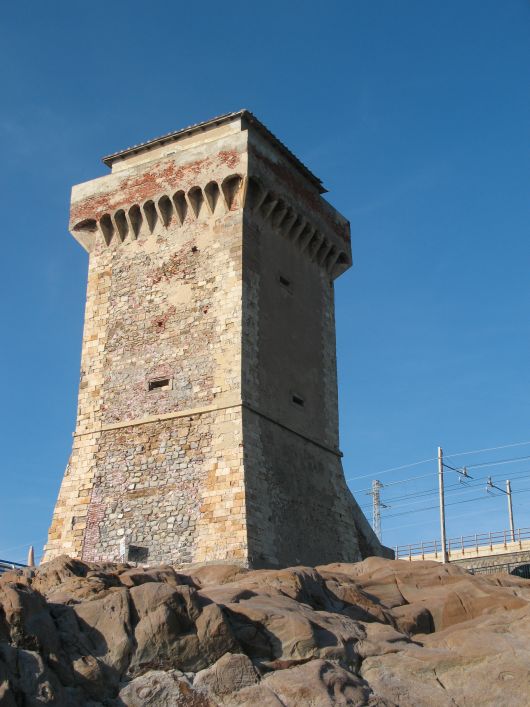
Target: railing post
[422,551]
[410,553]
[491,544]
[504,538]
[462,541]
[397,552]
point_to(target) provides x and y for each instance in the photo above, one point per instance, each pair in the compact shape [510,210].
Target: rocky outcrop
[378,633]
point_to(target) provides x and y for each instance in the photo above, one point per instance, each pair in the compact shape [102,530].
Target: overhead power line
[387,471]
[468,514]
[394,483]
[426,461]
[430,508]
[461,485]
[498,463]
[419,498]
[453,489]
[455,503]
[470,485]
[487,449]
[454,492]
[468,482]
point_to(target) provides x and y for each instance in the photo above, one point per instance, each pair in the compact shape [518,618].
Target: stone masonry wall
[207,426]
[152,489]
[295,484]
[297,490]
[162,468]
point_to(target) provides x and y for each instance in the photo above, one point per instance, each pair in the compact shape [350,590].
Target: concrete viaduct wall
[495,563]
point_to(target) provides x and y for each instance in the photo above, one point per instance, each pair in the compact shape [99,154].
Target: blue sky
[415,114]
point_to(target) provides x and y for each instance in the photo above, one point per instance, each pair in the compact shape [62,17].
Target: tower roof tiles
[247,117]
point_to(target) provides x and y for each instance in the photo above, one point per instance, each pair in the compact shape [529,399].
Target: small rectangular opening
[157,383]
[285,281]
[136,553]
[298,400]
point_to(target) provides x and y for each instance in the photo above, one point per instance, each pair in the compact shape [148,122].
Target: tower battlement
[207,425]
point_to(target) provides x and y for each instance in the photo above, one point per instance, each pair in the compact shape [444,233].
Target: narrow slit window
[285,282]
[298,400]
[159,383]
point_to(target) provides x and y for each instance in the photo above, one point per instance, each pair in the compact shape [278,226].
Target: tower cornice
[246,119]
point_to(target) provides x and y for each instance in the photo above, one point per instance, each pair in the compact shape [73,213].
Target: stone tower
[207,425]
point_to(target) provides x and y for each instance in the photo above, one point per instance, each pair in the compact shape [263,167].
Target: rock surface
[378,633]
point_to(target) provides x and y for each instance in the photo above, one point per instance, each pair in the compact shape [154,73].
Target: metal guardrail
[6,565]
[476,541]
